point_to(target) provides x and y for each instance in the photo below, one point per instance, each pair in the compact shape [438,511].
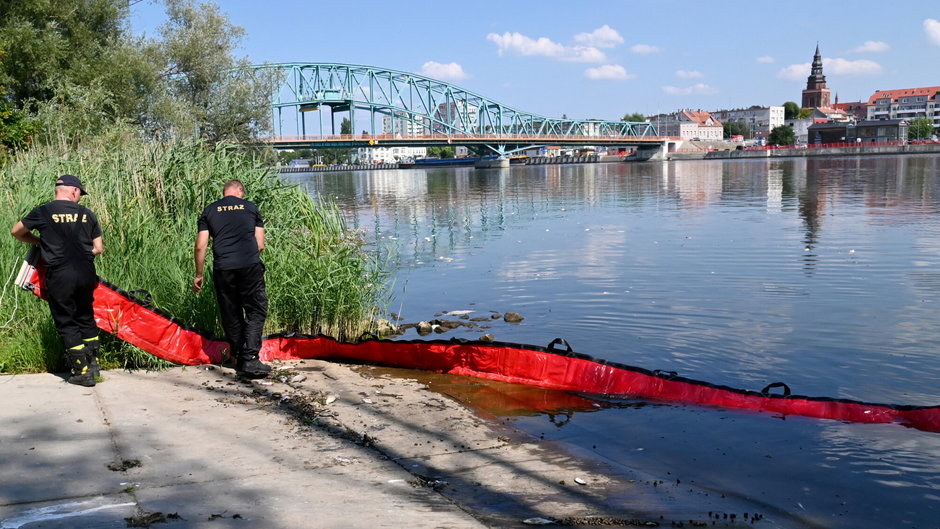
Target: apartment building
[455,115]
[759,120]
[906,103]
[689,125]
[389,154]
[401,126]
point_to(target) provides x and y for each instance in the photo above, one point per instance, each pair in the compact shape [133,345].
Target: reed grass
[147,197]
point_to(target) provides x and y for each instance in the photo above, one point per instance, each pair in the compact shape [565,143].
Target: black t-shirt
[231,222]
[66,231]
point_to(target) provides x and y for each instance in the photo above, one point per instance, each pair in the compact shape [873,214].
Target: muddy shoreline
[500,475]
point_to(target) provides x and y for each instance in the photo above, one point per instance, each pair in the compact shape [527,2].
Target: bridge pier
[655,153]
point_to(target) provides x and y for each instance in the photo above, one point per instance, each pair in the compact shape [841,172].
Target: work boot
[93,346]
[79,364]
[251,367]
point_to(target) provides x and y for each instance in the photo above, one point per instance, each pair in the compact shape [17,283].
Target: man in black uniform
[237,232]
[69,239]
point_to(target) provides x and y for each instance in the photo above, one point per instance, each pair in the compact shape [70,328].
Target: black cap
[70,180]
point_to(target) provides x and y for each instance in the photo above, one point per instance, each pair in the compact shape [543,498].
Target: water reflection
[822,273]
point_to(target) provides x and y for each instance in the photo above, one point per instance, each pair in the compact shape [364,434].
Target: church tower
[816,94]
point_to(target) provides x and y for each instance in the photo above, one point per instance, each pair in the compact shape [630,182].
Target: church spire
[816,94]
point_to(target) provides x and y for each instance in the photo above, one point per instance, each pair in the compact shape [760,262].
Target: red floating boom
[133,319]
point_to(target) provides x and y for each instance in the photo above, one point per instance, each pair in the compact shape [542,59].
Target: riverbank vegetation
[151,129]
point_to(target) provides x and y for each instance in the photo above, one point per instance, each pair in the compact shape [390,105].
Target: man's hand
[197,284]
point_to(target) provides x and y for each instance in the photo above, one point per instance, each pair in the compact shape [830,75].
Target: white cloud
[873,46]
[847,67]
[519,44]
[698,89]
[444,72]
[684,74]
[796,72]
[602,37]
[644,49]
[766,59]
[932,28]
[607,72]
[522,45]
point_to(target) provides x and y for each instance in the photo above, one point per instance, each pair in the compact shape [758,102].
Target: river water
[821,273]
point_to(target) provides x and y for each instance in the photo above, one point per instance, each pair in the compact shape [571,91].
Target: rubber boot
[93,346]
[79,364]
[249,366]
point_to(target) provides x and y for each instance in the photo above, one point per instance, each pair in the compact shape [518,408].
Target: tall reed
[147,197]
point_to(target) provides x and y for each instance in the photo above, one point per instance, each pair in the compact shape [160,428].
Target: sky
[601,59]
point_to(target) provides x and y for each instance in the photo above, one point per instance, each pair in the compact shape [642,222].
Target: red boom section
[135,321]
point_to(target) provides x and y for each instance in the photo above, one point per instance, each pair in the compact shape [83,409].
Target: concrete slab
[317,444]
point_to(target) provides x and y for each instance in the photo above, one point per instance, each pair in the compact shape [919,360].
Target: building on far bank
[906,103]
[455,115]
[400,126]
[801,128]
[872,131]
[689,125]
[759,120]
[389,154]
[855,110]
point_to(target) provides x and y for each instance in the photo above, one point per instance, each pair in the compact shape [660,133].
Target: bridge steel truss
[436,107]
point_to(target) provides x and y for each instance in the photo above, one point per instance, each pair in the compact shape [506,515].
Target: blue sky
[604,58]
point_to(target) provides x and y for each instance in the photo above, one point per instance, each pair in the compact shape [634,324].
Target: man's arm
[199,256]
[22,233]
[97,246]
[259,236]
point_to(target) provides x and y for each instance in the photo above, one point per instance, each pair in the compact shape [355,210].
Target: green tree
[15,129]
[441,152]
[634,117]
[735,128]
[212,94]
[76,66]
[332,156]
[345,127]
[791,110]
[782,135]
[919,128]
[44,44]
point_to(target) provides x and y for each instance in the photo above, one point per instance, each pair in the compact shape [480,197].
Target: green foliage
[332,156]
[734,128]
[79,58]
[791,110]
[635,117]
[345,127]
[147,197]
[15,129]
[805,113]
[287,156]
[44,44]
[208,97]
[782,135]
[441,152]
[920,128]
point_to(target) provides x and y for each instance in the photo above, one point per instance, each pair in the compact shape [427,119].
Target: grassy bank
[147,197]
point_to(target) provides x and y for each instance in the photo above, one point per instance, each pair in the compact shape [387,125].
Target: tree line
[74,69]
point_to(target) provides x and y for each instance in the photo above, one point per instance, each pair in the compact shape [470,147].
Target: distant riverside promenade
[769,151]
[801,151]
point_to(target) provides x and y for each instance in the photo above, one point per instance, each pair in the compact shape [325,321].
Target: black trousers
[243,304]
[70,291]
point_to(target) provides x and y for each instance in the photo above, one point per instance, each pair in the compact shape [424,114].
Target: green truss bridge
[396,108]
